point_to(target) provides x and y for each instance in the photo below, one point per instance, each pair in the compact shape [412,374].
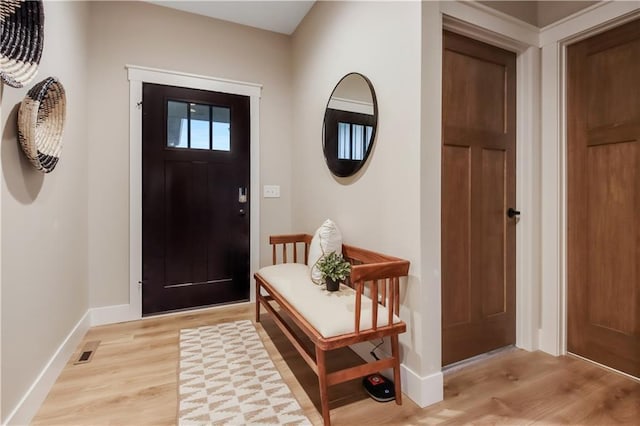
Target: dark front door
[478,188]
[195,209]
[603,198]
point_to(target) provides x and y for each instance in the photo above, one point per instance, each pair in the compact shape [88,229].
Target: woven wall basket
[40,123]
[22,28]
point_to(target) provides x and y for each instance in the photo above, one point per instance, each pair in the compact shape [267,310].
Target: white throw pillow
[327,239]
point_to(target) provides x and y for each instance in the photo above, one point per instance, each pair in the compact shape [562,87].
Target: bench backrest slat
[374,304]
[383,301]
[392,295]
[396,291]
[358,306]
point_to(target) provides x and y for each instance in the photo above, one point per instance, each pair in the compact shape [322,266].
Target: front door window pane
[177,126]
[199,126]
[221,128]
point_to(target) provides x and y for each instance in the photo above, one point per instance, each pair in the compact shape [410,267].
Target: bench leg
[257,301]
[322,380]
[395,353]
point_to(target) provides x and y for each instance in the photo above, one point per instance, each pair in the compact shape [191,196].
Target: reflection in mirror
[350,125]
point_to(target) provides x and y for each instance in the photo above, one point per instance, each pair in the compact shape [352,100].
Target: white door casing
[137,76]
[486,25]
[553,271]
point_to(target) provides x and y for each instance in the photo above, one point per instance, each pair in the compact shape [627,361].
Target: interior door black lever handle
[512,212]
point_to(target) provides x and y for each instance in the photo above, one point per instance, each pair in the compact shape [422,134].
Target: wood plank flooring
[132,380]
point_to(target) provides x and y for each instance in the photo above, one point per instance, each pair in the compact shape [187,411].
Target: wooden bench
[351,315]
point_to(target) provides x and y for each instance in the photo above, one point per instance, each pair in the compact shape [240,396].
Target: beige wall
[44,217]
[153,36]
[379,208]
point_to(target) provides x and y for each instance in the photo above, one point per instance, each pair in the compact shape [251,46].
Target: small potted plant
[334,269]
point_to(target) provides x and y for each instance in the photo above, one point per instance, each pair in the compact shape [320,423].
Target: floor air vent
[87,352]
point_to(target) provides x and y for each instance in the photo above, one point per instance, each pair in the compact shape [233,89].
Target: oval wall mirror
[350,122]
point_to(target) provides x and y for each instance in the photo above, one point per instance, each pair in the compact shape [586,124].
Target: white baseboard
[424,391]
[35,396]
[121,313]
[111,314]
[549,344]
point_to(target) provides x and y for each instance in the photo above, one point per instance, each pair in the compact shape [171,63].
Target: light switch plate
[271,191]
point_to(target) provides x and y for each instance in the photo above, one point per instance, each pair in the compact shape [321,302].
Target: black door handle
[512,212]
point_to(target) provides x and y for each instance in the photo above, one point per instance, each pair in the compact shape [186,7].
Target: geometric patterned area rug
[227,377]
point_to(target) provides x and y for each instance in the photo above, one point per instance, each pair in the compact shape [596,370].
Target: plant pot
[332,285]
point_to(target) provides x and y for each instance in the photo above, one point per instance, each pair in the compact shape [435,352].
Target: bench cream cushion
[330,313]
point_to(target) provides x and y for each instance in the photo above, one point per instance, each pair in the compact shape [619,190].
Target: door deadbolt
[242,195]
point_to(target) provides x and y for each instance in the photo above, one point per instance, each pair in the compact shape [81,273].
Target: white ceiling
[279,16]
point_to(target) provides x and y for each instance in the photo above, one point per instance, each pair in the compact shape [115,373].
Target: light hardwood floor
[132,380]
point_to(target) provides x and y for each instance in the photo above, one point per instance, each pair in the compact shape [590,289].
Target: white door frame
[492,27]
[138,75]
[554,40]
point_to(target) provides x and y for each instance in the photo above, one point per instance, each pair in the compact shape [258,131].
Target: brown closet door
[478,188]
[603,114]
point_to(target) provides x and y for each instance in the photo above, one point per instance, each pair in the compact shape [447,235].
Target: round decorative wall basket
[40,123]
[22,23]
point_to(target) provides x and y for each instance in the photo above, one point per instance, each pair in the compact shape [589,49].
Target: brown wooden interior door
[603,164]
[478,187]
[195,227]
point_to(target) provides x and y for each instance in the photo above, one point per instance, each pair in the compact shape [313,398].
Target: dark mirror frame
[343,167]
